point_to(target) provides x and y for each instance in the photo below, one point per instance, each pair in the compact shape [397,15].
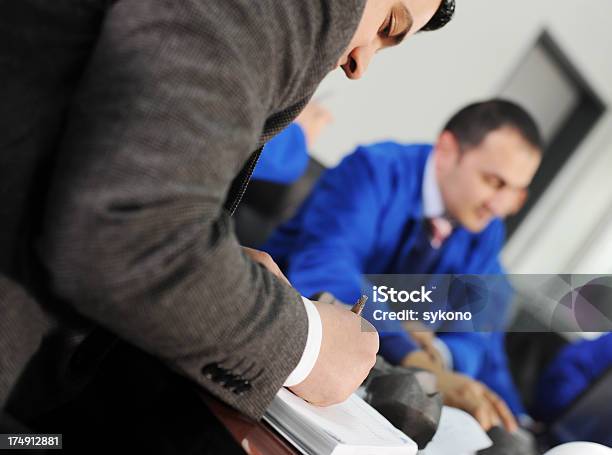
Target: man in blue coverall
[390,208]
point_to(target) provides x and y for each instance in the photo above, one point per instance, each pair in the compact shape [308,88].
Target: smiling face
[385,23]
[486,181]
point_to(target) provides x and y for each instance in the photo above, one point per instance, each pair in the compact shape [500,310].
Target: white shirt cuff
[312,348]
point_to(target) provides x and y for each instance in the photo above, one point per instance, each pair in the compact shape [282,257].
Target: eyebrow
[407,17]
[507,184]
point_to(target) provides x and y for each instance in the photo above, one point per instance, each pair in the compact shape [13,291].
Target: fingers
[276,271]
[420,359]
[424,338]
[263,258]
[475,398]
[485,416]
[366,326]
[418,331]
[346,357]
[502,410]
[434,355]
[478,408]
[492,411]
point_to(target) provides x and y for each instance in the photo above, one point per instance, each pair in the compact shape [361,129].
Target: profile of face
[486,181]
[384,23]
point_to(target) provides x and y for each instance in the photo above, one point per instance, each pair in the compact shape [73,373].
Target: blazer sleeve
[168,110]
[23,326]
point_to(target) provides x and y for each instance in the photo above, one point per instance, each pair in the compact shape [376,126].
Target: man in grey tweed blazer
[128,130]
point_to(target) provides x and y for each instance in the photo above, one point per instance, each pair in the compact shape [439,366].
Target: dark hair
[472,123]
[442,17]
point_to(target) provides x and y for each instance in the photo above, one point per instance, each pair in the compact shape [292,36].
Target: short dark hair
[443,16]
[472,123]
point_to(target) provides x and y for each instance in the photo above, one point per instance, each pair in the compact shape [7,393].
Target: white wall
[410,91]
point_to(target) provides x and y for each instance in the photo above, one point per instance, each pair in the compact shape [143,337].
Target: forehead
[506,154]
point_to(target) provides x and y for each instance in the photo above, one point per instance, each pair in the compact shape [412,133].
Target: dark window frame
[574,129]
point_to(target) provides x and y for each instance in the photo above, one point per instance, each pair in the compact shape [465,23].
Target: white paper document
[352,427]
[458,434]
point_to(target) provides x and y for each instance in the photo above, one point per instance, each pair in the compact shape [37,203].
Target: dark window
[563,103]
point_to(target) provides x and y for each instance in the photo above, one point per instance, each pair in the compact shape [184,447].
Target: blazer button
[215,372]
[242,388]
[236,381]
[224,378]
[210,370]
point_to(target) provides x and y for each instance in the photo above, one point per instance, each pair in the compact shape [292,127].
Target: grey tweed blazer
[124,124]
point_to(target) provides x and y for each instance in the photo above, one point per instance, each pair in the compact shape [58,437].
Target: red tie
[439,230]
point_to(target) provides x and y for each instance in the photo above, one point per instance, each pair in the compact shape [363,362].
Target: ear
[447,151]
[520,202]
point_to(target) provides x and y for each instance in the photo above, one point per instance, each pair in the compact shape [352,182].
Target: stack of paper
[352,427]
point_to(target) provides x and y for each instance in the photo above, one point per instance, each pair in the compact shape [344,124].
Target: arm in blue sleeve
[494,316]
[284,158]
[496,374]
[468,350]
[572,371]
[337,231]
[483,355]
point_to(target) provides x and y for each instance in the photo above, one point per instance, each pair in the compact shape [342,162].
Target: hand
[263,258]
[348,353]
[474,397]
[313,120]
[463,392]
[421,359]
[425,339]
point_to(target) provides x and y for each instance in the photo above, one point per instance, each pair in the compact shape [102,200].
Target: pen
[358,307]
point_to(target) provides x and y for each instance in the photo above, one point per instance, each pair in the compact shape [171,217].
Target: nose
[359,60]
[502,203]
